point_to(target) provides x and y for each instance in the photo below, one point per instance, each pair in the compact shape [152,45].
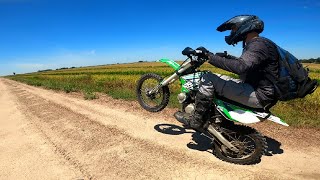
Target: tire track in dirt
[105,151]
[111,142]
[97,150]
[25,153]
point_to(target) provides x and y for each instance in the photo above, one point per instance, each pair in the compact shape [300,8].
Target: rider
[259,57]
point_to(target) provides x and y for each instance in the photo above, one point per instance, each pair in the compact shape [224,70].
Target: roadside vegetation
[119,81]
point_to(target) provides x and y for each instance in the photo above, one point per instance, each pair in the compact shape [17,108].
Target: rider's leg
[203,102]
[225,86]
[195,120]
[232,89]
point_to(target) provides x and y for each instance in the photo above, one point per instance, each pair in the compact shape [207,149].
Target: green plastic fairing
[171,63]
[226,107]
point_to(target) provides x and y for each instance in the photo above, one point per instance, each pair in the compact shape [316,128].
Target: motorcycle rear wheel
[251,144]
[152,102]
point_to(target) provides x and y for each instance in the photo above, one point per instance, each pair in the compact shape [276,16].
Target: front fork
[171,79]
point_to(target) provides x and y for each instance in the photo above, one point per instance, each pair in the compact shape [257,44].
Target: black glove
[224,54]
[204,55]
[188,51]
[204,51]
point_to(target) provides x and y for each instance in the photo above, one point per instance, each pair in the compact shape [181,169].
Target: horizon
[124,63]
[37,35]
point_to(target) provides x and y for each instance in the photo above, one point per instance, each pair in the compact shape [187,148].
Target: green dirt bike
[232,141]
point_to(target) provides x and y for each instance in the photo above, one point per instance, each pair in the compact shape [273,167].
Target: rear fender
[270,117]
[277,120]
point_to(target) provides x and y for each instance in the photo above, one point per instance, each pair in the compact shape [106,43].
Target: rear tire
[152,102]
[252,146]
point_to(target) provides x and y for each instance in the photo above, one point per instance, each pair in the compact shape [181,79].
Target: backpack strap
[270,77]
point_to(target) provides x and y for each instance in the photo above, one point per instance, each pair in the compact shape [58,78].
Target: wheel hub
[151,96]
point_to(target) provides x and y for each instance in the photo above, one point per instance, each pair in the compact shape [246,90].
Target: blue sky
[43,34]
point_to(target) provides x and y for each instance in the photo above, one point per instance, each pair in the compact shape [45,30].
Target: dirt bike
[232,141]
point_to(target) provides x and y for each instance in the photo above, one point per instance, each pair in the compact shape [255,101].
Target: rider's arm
[254,54]
[231,57]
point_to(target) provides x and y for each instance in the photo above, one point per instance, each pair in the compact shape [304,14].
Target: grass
[89,95]
[119,81]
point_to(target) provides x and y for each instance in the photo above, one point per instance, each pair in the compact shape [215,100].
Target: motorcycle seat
[265,109]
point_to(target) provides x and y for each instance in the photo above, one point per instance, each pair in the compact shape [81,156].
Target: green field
[119,81]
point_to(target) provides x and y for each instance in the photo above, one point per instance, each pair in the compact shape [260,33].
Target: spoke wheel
[152,102]
[248,141]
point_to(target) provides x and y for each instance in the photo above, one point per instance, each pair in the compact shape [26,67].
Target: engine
[190,108]
[184,98]
[187,100]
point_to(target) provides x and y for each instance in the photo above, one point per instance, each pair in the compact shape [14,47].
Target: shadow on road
[200,142]
[273,147]
[171,129]
[204,143]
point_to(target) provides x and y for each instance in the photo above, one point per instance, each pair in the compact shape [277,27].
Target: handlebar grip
[188,51]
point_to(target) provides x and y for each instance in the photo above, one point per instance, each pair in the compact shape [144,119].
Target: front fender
[171,63]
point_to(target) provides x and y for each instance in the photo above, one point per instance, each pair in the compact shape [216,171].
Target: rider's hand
[204,52]
[203,49]
[222,54]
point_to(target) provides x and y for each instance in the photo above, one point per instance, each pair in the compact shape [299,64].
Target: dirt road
[53,135]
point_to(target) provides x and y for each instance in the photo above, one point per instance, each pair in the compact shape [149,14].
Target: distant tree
[62,68]
[311,60]
[44,70]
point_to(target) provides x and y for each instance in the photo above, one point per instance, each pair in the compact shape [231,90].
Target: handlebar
[194,59]
[189,52]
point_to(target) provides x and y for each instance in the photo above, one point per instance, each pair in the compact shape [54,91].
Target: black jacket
[258,58]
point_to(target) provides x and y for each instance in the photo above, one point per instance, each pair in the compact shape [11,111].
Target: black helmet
[243,25]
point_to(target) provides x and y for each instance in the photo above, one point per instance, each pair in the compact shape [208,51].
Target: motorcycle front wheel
[153,102]
[251,144]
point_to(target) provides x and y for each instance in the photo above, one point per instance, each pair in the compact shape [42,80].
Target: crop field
[119,81]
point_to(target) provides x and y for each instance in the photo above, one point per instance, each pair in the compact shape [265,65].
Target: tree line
[311,60]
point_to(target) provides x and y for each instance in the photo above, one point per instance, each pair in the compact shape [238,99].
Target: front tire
[251,144]
[152,102]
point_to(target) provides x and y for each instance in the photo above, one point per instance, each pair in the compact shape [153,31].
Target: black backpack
[293,81]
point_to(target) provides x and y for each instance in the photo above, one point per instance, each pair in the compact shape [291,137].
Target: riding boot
[195,120]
